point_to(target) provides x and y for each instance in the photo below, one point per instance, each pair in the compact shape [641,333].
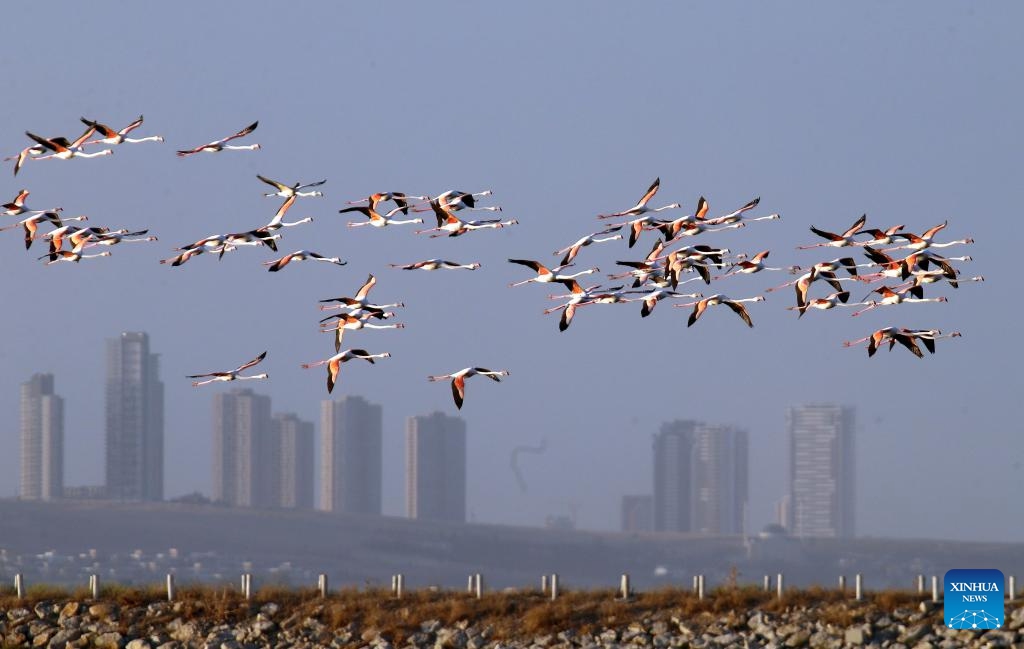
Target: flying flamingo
[459,200]
[578,296]
[669,228]
[454,226]
[32,223]
[119,236]
[77,236]
[33,151]
[400,199]
[925,240]
[641,206]
[891,297]
[231,375]
[701,306]
[927,336]
[69,255]
[275,265]
[257,237]
[573,249]
[17,207]
[838,240]
[351,322]
[454,200]
[879,336]
[921,277]
[292,191]
[113,138]
[64,150]
[832,301]
[733,217]
[459,380]
[376,219]
[880,237]
[545,275]
[435,264]
[189,253]
[278,221]
[221,145]
[360,300]
[334,363]
[750,266]
[650,299]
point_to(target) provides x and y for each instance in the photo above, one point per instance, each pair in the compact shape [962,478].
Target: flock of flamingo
[900,262]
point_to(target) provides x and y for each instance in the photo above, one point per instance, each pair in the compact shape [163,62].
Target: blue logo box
[973,599]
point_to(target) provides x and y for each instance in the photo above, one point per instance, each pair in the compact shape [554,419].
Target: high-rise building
[352,457]
[673,476]
[294,438]
[719,479]
[638,513]
[42,440]
[244,469]
[435,468]
[821,469]
[135,420]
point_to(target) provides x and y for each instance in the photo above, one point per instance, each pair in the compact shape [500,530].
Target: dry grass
[506,614]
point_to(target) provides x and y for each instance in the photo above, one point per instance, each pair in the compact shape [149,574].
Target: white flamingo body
[62,150]
[546,275]
[231,375]
[113,138]
[292,191]
[436,264]
[736,305]
[222,145]
[641,205]
[349,322]
[459,380]
[275,265]
[334,363]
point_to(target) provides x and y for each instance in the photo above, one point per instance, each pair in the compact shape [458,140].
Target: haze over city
[909,114]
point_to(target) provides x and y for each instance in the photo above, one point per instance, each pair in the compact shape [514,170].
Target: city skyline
[710,495]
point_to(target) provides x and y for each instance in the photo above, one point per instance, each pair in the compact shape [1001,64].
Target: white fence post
[935,588]
[170,587]
[554,586]
[94,586]
[1011,591]
[767,583]
[478,585]
[700,586]
[779,587]
[544,584]
[920,584]
[399,585]
[858,587]
[842,583]
[624,586]
[321,584]
[19,585]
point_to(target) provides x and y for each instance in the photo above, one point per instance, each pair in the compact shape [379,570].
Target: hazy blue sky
[908,112]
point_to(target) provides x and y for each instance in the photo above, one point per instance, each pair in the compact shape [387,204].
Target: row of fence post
[548,586]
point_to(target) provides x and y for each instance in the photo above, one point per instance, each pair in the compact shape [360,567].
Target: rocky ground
[310,622]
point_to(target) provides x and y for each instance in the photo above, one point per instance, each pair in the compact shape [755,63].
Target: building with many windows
[134,420]
[821,470]
[42,440]
[435,468]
